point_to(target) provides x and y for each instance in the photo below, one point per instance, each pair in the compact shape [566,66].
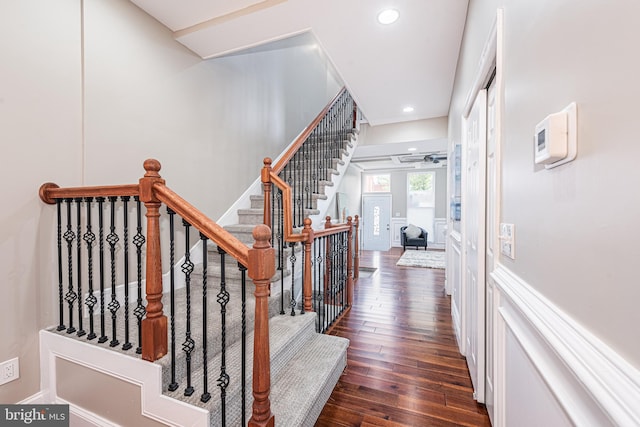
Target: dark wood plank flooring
[403,364]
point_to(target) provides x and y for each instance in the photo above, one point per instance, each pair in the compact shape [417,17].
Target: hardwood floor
[403,364]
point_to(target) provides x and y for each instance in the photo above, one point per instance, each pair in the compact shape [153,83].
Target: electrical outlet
[9,370]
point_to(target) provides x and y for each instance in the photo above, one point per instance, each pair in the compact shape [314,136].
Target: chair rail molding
[591,382]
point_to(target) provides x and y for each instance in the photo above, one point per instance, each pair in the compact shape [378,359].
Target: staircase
[211,321]
[298,393]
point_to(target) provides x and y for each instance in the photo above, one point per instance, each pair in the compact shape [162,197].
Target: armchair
[412,235]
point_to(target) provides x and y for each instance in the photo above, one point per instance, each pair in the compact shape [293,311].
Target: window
[377,183]
[421,200]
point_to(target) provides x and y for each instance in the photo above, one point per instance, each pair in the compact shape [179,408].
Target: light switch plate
[507,248]
[506,231]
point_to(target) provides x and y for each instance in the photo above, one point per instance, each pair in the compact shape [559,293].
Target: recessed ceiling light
[407,109]
[412,149]
[388,16]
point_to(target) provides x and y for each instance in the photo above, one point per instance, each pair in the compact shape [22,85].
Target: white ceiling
[411,62]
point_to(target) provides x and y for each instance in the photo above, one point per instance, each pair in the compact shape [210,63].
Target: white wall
[148,96]
[418,130]
[40,130]
[575,240]
[141,95]
[574,224]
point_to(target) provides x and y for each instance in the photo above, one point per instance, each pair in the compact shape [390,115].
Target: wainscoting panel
[131,371]
[454,286]
[552,371]
[396,223]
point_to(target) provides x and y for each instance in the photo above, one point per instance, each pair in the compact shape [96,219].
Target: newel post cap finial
[152,168]
[267,161]
[262,235]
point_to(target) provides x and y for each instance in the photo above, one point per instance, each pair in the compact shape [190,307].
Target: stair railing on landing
[153,336]
[290,190]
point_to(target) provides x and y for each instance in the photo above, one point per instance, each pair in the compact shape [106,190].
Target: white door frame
[490,59]
[474,195]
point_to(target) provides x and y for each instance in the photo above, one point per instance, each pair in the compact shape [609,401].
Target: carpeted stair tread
[288,336]
[300,393]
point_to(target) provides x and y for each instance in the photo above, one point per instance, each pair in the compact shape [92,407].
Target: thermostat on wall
[555,141]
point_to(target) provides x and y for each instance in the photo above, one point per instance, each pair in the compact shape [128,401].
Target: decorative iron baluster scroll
[70,297]
[223,300]
[100,200]
[112,239]
[189,343]
[89,238]
[78,201]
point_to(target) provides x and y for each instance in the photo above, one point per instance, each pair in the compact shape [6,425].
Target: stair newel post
[349,262]
[356,244]
[261,268]
[306,284]
[327,222]
[154,326]
[265,177]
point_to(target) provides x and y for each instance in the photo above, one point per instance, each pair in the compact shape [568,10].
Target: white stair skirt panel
[590,383]
[123,367]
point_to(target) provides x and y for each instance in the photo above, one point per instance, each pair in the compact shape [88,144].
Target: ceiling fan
[433,158]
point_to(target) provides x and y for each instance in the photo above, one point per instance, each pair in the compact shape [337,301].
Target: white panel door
[376,220]
[474,242]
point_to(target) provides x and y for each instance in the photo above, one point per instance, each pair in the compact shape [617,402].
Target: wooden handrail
[49,191]
[289,235]
[284,160]
[259,260]
[225,240]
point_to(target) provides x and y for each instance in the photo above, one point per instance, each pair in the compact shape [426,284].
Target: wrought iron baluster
[125,236]
[100,200]
[78,200]
[281,246]
[112,239]
[173,385]
[189,344]
[61,326]
[89,238]
[243,356]
[223,300]
[325,280]
[138,241]
[70,296]
[292,259]
[206,396]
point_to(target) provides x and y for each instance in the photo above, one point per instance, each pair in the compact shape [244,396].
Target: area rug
[427,259]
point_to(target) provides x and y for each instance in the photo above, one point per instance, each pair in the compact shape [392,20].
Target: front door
[474,241]
[376,218]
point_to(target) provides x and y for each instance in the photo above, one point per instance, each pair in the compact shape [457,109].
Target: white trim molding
[591,382]
[147,375]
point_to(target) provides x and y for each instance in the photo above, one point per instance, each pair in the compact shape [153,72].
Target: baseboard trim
[589,379]
[147,375]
